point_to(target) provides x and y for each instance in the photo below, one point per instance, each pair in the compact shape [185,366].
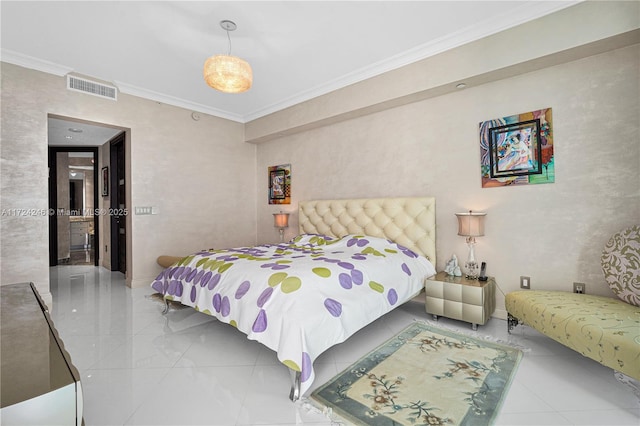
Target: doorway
[88,214]
[73,199]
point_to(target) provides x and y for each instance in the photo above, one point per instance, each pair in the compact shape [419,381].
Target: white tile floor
[139,367]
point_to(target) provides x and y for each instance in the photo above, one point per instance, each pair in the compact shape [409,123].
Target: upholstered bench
[604,329]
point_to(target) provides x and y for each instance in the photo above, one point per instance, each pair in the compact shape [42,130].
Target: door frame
[53,200]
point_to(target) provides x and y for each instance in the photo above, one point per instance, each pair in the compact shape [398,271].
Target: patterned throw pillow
[621,264]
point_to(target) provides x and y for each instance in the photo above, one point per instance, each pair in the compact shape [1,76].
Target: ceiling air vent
[92,88]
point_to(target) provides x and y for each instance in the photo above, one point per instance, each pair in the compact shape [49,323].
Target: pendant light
[226,73]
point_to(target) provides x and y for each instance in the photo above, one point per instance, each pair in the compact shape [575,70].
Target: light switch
[143,210]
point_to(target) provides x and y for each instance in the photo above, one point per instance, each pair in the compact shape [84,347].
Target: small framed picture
[105,181]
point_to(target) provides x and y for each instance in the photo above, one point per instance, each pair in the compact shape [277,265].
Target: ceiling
[298,49]
[63,132]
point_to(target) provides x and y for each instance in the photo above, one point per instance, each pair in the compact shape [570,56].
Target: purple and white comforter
[302,297]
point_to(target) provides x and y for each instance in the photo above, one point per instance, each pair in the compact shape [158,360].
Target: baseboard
[141,282]
[500,314]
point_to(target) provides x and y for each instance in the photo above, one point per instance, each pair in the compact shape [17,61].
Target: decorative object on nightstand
[281,221]
[471,225]
[460,298]
[483,272]
[452,267]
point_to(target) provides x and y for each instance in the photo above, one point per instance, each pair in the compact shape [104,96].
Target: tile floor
[139,367]
[82,257]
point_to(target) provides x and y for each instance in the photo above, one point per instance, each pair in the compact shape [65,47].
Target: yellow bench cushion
[604,329]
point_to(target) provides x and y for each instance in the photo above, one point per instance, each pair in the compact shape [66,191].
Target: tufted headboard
[410,222]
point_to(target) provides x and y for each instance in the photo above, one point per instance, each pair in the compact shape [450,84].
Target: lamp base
[471,267]
[472,270]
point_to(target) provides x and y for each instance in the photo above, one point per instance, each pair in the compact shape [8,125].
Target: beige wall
[553,233]
[198,174]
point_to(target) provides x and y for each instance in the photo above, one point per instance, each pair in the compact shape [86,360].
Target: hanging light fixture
[227,73]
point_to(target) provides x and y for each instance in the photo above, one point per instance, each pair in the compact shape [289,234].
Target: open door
[118,206]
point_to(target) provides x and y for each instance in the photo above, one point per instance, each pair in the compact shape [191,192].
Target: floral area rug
[424,375]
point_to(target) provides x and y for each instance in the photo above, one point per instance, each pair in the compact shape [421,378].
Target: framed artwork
[517,150]
[105,181]
[280,184]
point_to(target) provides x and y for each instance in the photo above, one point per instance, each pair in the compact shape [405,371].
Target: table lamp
[471,225]
[281,221]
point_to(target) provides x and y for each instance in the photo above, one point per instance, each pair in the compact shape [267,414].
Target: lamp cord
[499,289]
[229,38]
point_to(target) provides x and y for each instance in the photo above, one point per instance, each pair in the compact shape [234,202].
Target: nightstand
[460,298]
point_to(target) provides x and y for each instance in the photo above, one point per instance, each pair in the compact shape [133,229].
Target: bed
[352,262]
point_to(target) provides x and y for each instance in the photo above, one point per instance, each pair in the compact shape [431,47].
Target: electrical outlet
[579,288]
[525,282]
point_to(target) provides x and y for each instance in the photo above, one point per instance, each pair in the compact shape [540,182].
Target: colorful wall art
[517,150]
[280,184]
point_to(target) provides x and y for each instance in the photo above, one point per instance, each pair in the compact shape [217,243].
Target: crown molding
[30,62]
[178,102]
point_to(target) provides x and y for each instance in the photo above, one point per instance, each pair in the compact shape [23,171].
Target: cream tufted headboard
[410,222]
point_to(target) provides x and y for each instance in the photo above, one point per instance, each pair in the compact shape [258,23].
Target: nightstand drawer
[455,292]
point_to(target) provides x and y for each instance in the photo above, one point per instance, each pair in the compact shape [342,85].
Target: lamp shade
[471,224]
[281,220]
[228,74]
